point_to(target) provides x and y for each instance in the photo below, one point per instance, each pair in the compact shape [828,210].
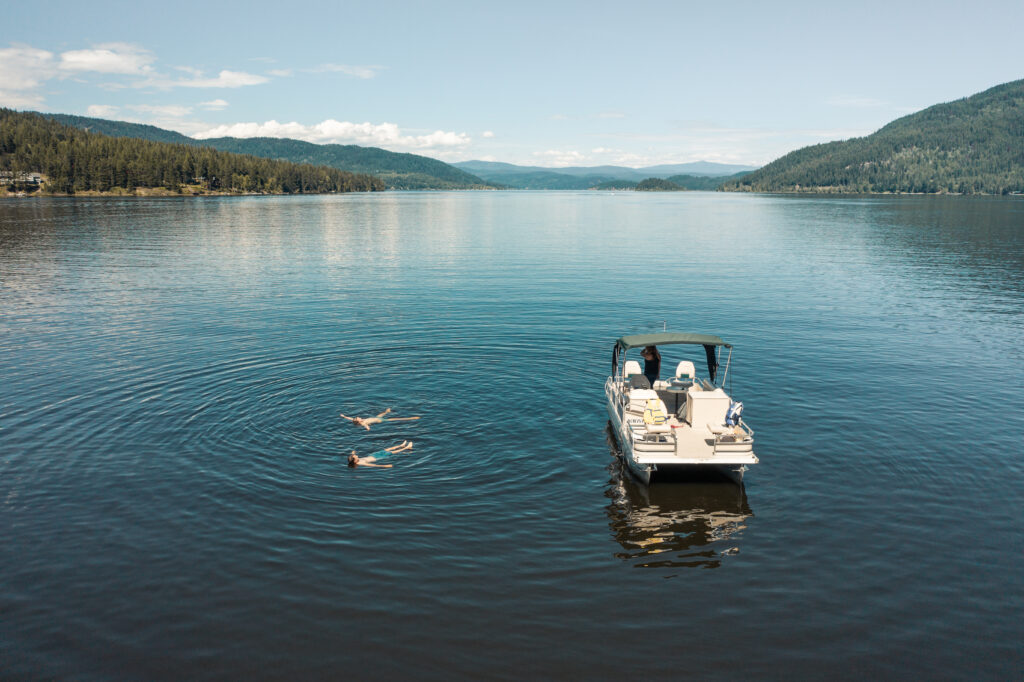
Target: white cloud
[487,133]
[557,157]
[342,132]
[214,104]
[163,110]
[102,110]
[280,73]
[108,58]
[20,100]
[23,70]
[225,79]
[351,70]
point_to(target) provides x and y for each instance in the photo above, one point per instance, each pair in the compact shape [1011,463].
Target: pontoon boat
[684,423]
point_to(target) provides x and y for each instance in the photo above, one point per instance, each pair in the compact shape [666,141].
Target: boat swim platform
[670,458]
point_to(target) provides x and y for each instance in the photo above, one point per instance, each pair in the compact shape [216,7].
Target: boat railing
[739,438]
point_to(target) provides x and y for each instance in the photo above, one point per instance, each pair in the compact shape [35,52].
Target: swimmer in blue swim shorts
[355,460]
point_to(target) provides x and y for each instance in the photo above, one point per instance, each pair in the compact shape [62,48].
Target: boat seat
[638,398]
[684,378]
[685,371]
[649,434]
[631,369]
[655,413]
[639,381]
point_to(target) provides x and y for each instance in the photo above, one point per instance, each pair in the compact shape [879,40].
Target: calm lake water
[174,501]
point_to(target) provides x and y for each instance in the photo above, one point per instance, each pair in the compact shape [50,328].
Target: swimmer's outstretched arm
[379,466]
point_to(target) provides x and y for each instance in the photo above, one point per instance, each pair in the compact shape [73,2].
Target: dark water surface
[174,502]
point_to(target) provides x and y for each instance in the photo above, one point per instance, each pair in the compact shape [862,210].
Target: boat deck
[686,445]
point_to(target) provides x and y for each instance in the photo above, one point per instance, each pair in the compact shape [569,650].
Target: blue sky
[539,83]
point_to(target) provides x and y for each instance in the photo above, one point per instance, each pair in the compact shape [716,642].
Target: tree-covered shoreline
[971,146]
[397,170]
[74,161]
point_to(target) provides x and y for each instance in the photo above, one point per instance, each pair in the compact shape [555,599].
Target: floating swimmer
[366,422]
[355,460]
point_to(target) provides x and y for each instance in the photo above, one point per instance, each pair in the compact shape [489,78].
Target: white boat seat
[638,398]
[686,370]
[725,434]
[684,378]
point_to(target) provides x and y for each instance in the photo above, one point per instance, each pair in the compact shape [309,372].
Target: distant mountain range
[588,177]
[412,171]
[398,171]
[972,145]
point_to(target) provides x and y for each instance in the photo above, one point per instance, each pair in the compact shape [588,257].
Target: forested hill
[73,160]
[121,128]
[397,170]
[704,182]
[972,145]
[696,175]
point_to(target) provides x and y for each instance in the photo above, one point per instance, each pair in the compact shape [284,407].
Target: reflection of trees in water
[669,524]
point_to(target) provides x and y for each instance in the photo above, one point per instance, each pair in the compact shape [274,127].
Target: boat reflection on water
[698,523]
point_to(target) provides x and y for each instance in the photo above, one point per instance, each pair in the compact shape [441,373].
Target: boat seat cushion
[638,398]
[639,381]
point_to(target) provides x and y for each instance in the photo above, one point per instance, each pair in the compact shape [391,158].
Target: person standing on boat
[652,363]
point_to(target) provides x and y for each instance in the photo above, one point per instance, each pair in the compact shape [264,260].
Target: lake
[175,504]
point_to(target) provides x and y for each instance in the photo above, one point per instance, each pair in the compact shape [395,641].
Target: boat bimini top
[711,345]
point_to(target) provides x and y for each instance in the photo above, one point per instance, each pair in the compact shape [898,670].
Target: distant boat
[683,424]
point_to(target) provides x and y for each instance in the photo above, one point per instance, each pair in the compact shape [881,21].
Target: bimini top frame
[669,338]
[711,345]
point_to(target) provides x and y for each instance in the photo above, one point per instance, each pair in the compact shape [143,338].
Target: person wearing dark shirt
[652,363]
